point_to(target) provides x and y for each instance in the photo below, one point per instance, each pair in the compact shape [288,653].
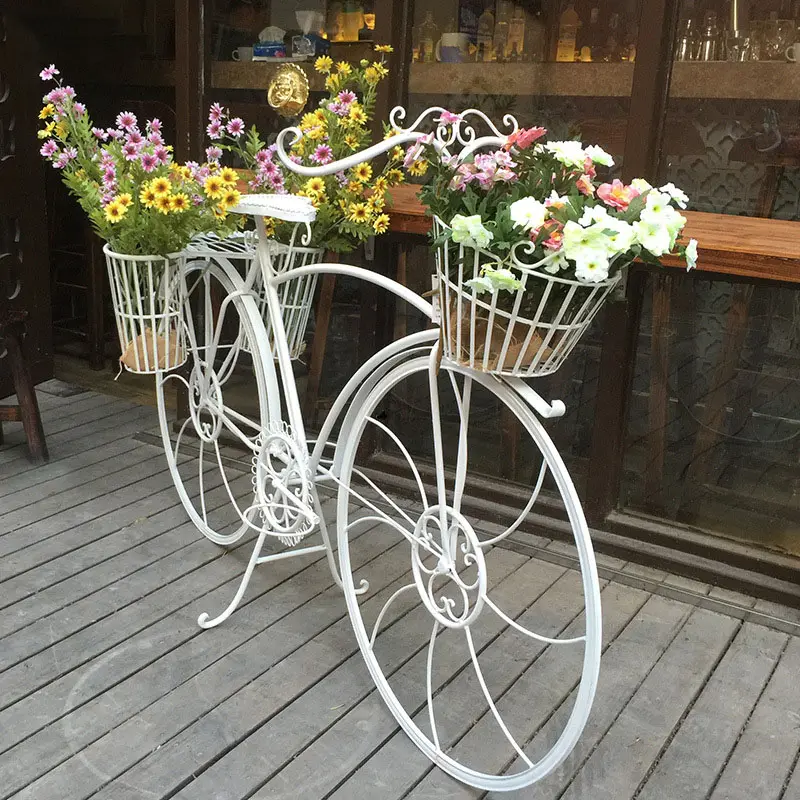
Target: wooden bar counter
[743,246]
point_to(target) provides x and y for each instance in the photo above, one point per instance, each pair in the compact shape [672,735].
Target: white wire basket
[148,294]
[527,333]
[296,296]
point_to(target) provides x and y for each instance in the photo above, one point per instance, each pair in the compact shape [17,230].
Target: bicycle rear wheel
[459,647]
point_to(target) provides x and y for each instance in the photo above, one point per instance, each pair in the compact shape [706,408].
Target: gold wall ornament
[288,90]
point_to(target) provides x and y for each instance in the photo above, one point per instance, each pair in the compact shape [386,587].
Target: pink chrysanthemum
[213,153]
[270,169]
[100,134]
[114,133]
[154,125]
[135,137]
[155,138]
[162,155]
[48,73]
[79,109]
[49,148]
[61,161]
[263,156]
[69,92]
[346,97]
[214,129]
[322,155]
[149,162]
[216,113]
[126,120]
[57,96]
[130,151]
[236,127]
[109,175]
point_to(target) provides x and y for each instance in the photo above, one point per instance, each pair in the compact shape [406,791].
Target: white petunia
[569,153]
[470,231]
[558,263]
[691,254]
[495,280]
[653,237]
[619,235]
[641,185]
[576,239]
[528,213]
[678,195]
[591,265]
[599,156]
[480,285]
[592,214]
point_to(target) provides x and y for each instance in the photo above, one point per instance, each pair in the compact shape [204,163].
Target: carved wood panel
[24,264]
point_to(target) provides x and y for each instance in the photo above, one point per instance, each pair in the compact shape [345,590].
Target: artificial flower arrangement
[350,205]
[136,196]
[530,242]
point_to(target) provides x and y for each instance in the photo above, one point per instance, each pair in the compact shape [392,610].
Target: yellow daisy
[419,167]
[228,176]
[391,132]
[161,186]
[219,212]
[176,168]
[381,223]
[125,199]
[380,69]
[269,226]
[323,64]
[362,172]
[230,198]
[47,131]
[47,111]
[147,197]
[115,211]
[179,203]
[332,83]
[351,141]
[376,202]
[380,185]
[62,130]
[343,68]
[321,118]
[394,176]
[398,154]
[316,185]
[357,114]
[355,187]
[384,48]
[214,187]
[299,147]
[371,76]
[316,133]
[309,120]
[358,212]
[164,203]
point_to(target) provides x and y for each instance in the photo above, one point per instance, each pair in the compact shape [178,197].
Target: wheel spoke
[385,497]
[429,684]
[377,625]
[487,695]
[463,401]
[531,634]
[200,464]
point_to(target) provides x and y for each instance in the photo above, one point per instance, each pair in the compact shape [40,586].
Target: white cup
[452,47]
[793,53]
[242,54]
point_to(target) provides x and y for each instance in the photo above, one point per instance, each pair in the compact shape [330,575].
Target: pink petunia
[585,185]
[322,155]
[449,118]
[214,129]
[236,127]
[215,113]
[555,241]
[48,73]
[100,134]
[126,120]
[49,148]
[617,194]
[213,153]
[524,138]
[149,162]
[588,168]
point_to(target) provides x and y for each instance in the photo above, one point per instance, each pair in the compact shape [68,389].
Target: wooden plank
[764,755]
[171,681]
[793,788]
[167,533]
[184,714]
[120,487]
[715,721]
[655,710]
[153,662]
[270,746]
[539,717]
[390,760]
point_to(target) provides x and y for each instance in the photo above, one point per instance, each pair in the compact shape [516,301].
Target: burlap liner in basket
[499,331]
[153,352]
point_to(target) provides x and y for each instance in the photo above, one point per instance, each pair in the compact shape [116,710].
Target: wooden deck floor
[108,688]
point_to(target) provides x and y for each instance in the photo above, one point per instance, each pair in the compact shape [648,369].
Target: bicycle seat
[288,207]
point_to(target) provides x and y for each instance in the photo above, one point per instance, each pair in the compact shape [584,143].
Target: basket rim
[107,249]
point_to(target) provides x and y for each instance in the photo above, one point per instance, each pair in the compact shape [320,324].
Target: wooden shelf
[765,80]
[257,74]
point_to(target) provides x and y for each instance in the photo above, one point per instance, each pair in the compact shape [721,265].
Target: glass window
[714,442]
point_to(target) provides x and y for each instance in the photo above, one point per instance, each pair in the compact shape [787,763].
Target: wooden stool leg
[26,396]
[322,323]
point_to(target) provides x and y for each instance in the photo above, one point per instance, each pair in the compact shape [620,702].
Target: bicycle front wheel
[211,452]
[461,651]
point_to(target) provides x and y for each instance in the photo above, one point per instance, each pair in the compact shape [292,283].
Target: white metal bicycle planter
[450,578]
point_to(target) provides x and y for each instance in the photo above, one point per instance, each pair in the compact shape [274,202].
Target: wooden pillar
[192,69]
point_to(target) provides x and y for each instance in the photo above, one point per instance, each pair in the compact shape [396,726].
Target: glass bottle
[590,38]
[709,41]
[568,25]
[612,51]
[485,34]
[535,33]
[628,52]
[428,36]
[516,34]
[502,26]
[686,41]
[352,20]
